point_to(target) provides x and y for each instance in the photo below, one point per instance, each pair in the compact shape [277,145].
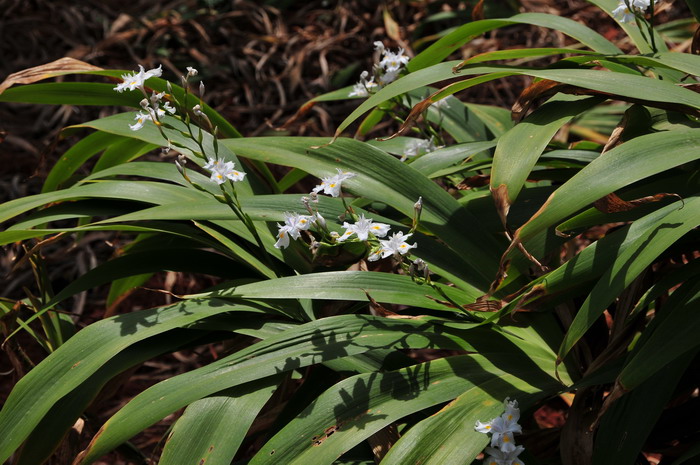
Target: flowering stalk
[221,170]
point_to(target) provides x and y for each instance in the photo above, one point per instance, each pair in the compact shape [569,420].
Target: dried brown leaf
[38,73]
[612,203]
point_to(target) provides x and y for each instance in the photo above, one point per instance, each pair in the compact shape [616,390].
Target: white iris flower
[330,185]
[395,245]
[136,80]
[222,170]
[363,227]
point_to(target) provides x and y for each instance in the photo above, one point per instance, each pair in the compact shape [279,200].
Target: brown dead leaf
[377,309]
[612,203]
[413,116]
[478,180]
[695,45]
[500,197]
[303,110]
[538,90]
[478,11]
[49,70]
[483,304]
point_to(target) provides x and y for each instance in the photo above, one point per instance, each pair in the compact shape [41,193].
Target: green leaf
[212,429]
[448,436]
[83,354]
[357,407]
[350,285]
[76,156]
[594,260]
[628,265]
[625,427]
[383,178]
[47,435]
[433,162]
[451,42]
[519,149]
[625,85]
[672,334]
[119,124]
[634,160]
[314,342]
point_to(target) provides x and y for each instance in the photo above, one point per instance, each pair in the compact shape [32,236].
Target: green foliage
[516,303]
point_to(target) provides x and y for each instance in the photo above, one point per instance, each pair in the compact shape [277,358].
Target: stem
[235,205]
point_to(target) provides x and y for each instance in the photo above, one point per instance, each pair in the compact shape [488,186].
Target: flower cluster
[627,9]
[222,170]
[364,229]
[150,105]
[385,72]
[503,450]
[153,110]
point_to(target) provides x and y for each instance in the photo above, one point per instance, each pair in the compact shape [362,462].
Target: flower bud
[144,104]
[201,89]
[418,206]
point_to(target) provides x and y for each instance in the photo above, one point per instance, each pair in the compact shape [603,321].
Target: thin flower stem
[235,205]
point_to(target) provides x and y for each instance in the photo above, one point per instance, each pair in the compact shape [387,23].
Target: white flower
[283,237]
[623,14]
[191,71]
[197,110]
[394,61]
[363,227]
[169,108]
[375,255]
[362,88]
[418,147]
[502,431]
[140,121]
[626,14]
[396,244]
[379,46]
[512,410]
[136,80]
[296,222]
[388,77]
[221,170]
[330,185]
[502,457]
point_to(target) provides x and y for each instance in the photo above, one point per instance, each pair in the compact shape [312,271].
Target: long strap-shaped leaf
[452,41]
[519,149]
[623,84]
[314,342]
[82,355]
[627,266]
[448,437]
[212,429]
[357,407]
[672,335]
[383,178]
[351,285]
[49,432]
[634,160]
